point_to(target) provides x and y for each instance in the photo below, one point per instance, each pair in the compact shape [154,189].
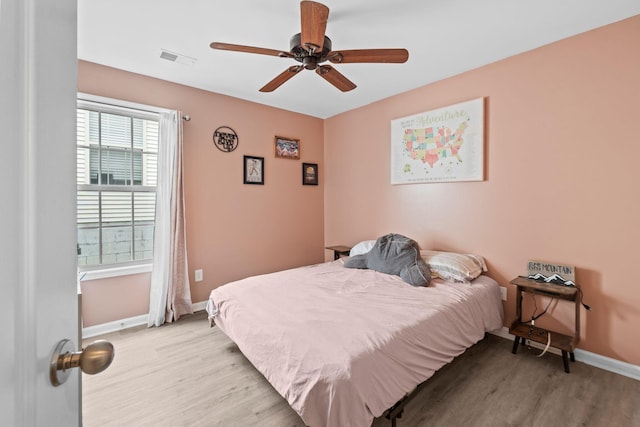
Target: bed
[342,345]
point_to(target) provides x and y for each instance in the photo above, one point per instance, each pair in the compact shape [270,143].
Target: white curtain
[170,296]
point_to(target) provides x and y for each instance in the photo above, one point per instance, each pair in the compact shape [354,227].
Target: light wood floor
[187,374]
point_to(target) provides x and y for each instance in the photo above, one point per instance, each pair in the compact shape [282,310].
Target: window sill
[114,272]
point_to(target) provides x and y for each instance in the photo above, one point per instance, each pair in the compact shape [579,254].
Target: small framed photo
[287,148]
[254,170]
[309,174]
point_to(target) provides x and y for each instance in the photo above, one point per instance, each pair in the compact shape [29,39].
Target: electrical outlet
[503,292]
[198,275]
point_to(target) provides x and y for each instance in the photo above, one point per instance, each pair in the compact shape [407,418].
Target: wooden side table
[522,330]
[339,250]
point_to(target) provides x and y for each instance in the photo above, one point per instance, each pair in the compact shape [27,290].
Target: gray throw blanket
[394,254]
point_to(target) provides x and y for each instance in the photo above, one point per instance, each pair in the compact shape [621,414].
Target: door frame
[38,86]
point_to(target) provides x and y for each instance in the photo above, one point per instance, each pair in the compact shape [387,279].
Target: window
[117,164]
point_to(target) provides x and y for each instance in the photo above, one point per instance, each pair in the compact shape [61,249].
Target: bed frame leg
[565,361]
[516,341]
[394,419]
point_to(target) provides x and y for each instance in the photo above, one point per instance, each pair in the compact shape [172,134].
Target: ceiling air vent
[168,56]
[177,57]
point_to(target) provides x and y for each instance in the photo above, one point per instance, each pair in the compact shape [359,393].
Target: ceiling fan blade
[334,77]
[281,78]
[369,55]
[249,49]
[313,17]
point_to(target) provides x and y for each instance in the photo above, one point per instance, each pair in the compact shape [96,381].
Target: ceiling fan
[312,47]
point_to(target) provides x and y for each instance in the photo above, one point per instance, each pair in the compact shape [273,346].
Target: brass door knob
[95,358]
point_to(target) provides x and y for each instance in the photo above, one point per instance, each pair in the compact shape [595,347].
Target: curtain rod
[186,118]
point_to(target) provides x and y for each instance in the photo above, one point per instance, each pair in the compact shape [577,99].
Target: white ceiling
[444,38]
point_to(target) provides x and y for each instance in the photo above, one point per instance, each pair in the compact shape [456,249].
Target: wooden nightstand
[339,250]
[522,331]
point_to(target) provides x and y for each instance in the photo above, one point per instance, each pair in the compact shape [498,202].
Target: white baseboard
[116,325]
[593,359]
[608,364]
[130,322]
[199,306]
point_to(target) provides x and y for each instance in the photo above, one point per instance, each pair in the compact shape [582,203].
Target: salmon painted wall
[114,298]
[562,157]
[233,230]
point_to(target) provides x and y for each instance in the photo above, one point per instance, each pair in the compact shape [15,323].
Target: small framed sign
[309,174]
[551,272]
[254,170]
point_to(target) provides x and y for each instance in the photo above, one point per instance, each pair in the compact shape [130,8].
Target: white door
[38,73]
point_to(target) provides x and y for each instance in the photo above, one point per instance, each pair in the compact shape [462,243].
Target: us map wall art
[442,145]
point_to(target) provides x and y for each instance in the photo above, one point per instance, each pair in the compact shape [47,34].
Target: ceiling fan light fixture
[310,62]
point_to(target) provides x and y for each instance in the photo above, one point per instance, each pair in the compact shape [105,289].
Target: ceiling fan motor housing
[309,58]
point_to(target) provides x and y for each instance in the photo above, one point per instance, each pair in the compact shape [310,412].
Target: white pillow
[362,247]
[454,266]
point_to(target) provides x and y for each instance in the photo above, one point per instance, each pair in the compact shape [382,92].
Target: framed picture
[441,145]
[309,174]
[287,148]
[254,170]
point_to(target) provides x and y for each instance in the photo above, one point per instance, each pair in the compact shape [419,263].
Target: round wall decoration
[225,139]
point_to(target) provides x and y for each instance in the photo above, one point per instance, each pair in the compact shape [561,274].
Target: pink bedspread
[343,345]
